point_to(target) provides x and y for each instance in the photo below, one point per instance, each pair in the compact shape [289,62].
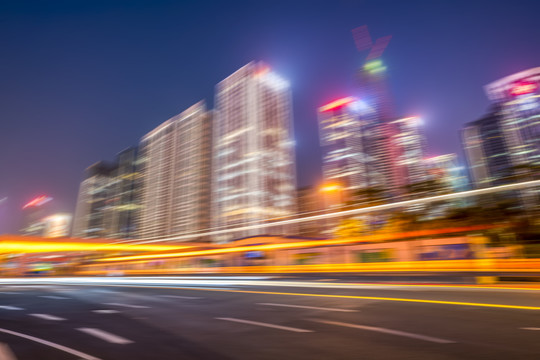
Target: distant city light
[523,88]
[360,107]
[337,104]
[40,200]
[374,66]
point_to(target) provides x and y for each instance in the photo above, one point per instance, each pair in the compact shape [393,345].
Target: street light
[330,191]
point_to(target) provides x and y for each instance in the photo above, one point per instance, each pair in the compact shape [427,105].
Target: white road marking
[180,297]
[5,307]
[10,292]
[6,353]
[128,305]
[48,317]
[53,297]
[106,311]
[531,328]
[103,335]
[387,331]
[265,324]
[51,344]
[307,307]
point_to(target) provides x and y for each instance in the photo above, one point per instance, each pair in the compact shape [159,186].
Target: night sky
[82,80]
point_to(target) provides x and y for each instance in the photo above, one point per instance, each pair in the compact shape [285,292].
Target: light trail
[458,195]
[358,297]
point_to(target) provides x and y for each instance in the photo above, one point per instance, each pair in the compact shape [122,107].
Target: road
[263,318]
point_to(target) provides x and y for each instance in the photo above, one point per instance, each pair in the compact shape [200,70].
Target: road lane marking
[180,297]
[5,307]
[106,311]
[53,297]
[6,353]
[307,307]
[531,328]
[128,305]
[10,292]
[386,331]
[265,325]
[48,317]
[440,302]
[51,344]
[103,335]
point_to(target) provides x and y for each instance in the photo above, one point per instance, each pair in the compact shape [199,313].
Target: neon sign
[40,200]
[523,88]
[337,104]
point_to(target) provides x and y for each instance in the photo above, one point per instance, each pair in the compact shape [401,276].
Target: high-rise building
[518,97]
[253,153]
[176,169]
[94,203]
[407,144]
[504,145]
[126,197]
[488,156]
[108,201]
[34,212]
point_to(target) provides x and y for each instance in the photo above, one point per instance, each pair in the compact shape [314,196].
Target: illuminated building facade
[518,96]
[126,197]
[34,212]
[408,150]
[505,144]
[488,155]
[253,153]
[354,145]
[108,200]
[176,168]
[93,210]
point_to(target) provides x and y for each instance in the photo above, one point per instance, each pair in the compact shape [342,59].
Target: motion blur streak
[164,283]
[457,195]
[373,238]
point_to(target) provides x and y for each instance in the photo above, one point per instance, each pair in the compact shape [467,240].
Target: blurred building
[504,145]
[518,97]
[176,169]
[93,210]
[445,170]
[408,151]
[488,155]
[33,214]
[57,225]
[108,200]
[355,147]
[126,194]
[254,165]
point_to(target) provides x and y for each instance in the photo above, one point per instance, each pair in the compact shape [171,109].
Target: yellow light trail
[300,244]
[423,301]
[50,246]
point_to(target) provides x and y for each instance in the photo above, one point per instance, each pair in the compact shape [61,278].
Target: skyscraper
[486,150]
[407,144]
[176,168]
[108,202]
[94,202]
[253,152]
[518,97]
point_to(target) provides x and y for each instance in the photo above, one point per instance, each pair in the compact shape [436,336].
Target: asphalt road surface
[263,318]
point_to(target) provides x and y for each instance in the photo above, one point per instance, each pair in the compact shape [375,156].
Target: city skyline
[69,166]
